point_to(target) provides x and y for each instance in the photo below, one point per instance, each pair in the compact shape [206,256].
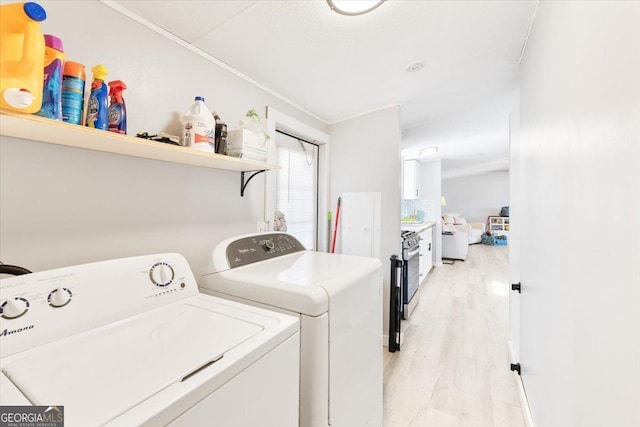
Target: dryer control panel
[250,249]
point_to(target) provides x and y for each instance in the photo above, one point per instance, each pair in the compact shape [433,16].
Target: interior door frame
[276,120]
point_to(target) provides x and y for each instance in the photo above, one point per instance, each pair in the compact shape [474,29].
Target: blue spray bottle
[98,100]
[117,109]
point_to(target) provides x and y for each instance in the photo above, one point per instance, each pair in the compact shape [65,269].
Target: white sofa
[455,241]
[475,230]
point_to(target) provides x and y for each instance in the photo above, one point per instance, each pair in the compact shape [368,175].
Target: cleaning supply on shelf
[21,56]
[117,109]
[199,127]
[52,84]
[221,135]
[73,80]
[98,103]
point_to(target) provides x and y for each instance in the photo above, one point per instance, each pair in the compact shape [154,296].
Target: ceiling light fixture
[353,7]
[427,151]
[415,66]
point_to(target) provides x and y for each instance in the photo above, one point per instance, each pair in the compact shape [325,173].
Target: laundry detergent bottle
[117,109]
[199,127]
[98,104]
[21,56]
[52,87]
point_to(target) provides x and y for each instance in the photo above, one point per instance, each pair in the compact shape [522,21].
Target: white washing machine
[338,299]
[132,342]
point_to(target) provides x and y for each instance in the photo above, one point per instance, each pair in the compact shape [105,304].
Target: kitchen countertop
[417,227]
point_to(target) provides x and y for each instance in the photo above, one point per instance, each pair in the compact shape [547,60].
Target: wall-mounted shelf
[37,128]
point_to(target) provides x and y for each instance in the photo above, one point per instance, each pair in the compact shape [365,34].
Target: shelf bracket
[243,183]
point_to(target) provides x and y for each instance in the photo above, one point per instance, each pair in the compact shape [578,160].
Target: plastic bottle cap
[74,69]
[117,85]
[53,42]
[200,98]
[99,72]
[35,11]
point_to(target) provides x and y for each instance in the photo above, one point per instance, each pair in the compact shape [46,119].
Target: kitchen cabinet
[426,253]
[411,179]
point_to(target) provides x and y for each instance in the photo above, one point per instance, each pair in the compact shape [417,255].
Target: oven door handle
[413,253]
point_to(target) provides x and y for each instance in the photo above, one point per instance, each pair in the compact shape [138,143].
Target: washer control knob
[161,274]
[14,307]
[59,297]
[268,245]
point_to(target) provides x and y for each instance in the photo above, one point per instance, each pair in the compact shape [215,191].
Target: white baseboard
[524,403]
[438,264]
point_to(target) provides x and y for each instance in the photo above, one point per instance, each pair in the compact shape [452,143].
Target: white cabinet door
[411,179]
[422,264]
[360,230]
[426,253]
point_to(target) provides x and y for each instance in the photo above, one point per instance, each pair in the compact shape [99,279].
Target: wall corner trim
[526,39]
[159,30]
[364,113]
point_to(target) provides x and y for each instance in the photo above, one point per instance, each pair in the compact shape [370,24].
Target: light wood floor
[453,367]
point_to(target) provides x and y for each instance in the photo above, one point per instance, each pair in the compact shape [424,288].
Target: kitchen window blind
[297,187]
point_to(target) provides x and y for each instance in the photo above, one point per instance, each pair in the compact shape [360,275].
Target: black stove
[410,239]
[410,271]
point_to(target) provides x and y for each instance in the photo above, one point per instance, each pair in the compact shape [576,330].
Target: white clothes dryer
[338,299]
[132,342]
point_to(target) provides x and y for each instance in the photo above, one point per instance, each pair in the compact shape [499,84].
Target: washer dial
[59,297]
[268,245]
[14,307]
[161,274]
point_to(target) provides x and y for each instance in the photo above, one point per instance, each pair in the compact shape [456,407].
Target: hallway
[453,368]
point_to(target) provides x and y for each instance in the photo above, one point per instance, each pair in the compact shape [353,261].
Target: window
[297,187]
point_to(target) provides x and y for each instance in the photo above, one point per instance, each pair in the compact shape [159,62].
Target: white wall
[478,196]
[365,157]
[431,186]
[579,157]
[431,180]
[62,206]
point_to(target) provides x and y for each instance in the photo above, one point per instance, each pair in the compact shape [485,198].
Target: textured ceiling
[338,66]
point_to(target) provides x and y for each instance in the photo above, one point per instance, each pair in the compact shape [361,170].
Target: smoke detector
[415,66]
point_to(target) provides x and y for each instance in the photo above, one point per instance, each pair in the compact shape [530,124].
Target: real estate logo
[31,416]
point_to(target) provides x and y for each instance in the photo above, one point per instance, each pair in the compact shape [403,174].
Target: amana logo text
[15,331]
